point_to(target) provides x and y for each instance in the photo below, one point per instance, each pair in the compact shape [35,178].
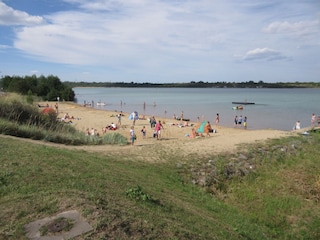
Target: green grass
[136,200]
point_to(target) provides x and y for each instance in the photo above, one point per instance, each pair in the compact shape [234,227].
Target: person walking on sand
[158,129]
[144,132]
[119,118]
[134,117]
[235,121]
[132,135]
[217,119]
[153,122]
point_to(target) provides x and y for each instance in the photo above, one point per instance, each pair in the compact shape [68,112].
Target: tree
[49,88]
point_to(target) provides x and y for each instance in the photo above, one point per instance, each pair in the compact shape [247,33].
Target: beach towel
[202,127]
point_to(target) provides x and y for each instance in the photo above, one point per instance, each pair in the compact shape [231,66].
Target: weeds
[137,194]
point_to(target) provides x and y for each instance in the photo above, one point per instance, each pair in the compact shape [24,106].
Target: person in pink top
[158,129]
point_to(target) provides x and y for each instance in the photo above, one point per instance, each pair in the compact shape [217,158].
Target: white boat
[101,104]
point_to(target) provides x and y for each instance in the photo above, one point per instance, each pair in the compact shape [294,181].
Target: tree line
[48,88]
[200,84]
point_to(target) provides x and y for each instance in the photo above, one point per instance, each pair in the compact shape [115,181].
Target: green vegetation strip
[134,200]
[21,119]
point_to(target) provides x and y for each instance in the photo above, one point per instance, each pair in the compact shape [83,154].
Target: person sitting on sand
[66,116]
[88,132]
[113,127]
[193,133]
[208,129]
[93,132]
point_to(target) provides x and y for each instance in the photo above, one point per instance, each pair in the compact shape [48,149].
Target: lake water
[273,108]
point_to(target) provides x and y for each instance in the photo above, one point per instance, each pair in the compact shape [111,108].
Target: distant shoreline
[249,84]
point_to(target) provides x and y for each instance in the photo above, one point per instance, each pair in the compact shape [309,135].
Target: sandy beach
[173,137]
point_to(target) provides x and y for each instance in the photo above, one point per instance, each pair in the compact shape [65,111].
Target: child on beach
[245,122]
[132,135]
[297,126]
[144,132]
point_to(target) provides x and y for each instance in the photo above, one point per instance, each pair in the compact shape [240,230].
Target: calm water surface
[273,108]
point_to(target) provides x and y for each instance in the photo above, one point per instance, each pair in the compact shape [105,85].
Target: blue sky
[161,41]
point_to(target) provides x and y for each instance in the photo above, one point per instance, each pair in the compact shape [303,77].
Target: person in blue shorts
[240,120]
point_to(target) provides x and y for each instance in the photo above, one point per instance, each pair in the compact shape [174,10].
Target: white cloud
[135,30]
[263,54]
[301,28]
[11,17]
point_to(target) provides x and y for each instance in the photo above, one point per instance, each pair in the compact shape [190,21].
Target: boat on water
[243,103]
[240,107]
[101,104]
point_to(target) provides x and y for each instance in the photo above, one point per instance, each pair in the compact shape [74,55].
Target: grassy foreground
[124,198]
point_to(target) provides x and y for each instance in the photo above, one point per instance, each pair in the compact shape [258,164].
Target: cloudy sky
[161,41]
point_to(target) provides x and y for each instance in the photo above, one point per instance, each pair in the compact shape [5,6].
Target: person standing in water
[217,119]
[245,122]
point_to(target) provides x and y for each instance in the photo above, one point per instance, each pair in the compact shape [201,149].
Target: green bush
[136,193]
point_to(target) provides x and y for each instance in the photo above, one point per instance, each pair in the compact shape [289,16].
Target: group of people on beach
[238,121]
[315,121]
[156,126]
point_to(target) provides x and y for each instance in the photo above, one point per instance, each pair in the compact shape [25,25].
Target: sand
[173,137]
